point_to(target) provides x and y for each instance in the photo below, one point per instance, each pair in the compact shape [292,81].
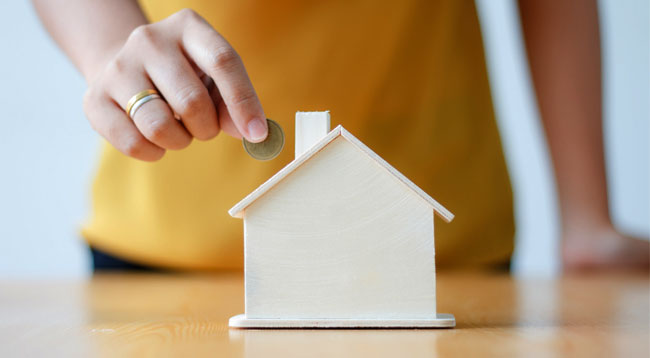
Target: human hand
[595,248]
[200,76]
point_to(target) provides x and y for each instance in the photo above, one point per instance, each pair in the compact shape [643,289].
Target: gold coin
[270,147]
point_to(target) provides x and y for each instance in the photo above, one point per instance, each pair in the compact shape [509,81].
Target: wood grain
[340,238]
[155,315]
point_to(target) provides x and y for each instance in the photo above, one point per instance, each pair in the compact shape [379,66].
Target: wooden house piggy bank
[338,239]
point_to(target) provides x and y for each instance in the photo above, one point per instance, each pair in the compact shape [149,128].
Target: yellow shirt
[406,77]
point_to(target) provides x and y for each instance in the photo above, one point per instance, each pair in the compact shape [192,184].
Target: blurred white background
[48,151]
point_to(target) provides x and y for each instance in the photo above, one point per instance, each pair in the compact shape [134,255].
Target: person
[407,77]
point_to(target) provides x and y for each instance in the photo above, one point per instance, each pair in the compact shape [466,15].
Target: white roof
[237,211]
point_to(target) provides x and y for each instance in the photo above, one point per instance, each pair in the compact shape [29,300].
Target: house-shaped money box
[338,238]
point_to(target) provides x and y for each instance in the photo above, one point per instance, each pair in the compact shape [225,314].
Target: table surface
[187,315]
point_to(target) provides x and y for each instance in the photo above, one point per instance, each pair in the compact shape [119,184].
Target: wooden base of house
[443,320]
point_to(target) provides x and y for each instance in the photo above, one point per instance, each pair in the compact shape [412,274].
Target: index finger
[214,56]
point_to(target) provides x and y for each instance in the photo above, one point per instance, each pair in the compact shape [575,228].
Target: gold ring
[138,96]
[140,102]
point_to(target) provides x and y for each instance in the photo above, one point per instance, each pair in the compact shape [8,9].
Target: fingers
[201,77]
[225,121]
[214,55]
[154,119]
[185,93]
[156,122]
[110,121]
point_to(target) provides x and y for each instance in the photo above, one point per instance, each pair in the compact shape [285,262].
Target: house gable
[239,208]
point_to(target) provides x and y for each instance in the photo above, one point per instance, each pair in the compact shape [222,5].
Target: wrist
[585,215]
[584,225]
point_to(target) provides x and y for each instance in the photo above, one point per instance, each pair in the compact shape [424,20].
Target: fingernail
[257,130]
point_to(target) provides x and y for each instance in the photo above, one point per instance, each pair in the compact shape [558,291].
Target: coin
[270,147]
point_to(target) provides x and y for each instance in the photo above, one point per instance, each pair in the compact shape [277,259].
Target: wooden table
[186,315]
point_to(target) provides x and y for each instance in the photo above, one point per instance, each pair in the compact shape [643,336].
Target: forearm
[563,45]
[89,31]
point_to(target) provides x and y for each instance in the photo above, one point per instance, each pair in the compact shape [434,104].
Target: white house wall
[339,238]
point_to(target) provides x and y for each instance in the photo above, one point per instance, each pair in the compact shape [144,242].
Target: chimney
[310,128]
